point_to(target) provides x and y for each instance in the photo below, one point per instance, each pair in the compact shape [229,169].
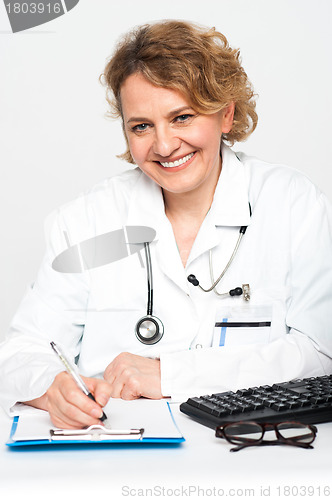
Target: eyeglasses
[245,434]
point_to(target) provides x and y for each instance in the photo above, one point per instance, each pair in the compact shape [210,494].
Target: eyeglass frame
[220,433]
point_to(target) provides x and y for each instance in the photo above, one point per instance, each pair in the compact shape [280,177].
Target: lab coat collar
[146,206]
[230,206]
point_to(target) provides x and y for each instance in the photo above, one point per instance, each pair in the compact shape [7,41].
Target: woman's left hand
[133,376]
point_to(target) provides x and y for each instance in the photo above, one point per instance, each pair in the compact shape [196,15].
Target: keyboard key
[246,407]
[257,406]
[267,388]
[269,402]
[209,407]
[244,392]
[304,402]
[196,402]
[293,404]
[317,400]
[279,406]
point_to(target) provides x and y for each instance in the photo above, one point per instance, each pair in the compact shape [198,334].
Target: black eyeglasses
[245,434]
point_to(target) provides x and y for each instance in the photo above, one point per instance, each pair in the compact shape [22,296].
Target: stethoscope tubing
[149,279]
[215,283]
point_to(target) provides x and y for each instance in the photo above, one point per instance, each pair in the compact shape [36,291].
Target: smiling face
[173,144]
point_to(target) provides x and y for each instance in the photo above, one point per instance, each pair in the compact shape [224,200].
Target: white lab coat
[285,256]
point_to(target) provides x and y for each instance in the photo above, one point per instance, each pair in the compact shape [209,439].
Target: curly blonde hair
[192,59]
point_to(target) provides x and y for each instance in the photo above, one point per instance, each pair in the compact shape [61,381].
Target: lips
[177,163]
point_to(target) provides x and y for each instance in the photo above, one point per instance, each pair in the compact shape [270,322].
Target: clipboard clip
[96,433]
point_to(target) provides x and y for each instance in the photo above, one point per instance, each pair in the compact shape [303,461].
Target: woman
[181,94]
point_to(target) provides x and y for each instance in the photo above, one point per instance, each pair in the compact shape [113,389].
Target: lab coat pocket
[243,325]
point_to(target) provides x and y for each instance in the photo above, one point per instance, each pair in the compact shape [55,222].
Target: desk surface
[199,468]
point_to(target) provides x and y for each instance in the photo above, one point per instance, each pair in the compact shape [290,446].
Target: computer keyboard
[306,400]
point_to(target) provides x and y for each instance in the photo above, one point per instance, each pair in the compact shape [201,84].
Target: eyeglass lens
[243,432]
[296,432]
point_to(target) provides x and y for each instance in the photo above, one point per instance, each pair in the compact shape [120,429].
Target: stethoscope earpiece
[193,280]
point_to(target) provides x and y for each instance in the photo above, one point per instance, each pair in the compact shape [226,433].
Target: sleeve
[303,352]
[53,309]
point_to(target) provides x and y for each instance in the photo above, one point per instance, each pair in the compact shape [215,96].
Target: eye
[183,118]
[141,127]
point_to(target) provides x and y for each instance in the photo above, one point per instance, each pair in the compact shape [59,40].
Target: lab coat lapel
[230,206]
[147,209]
[169,257]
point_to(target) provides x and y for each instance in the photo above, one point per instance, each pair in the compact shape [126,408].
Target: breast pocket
[243,325]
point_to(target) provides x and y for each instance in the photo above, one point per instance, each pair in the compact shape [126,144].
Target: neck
[192,204]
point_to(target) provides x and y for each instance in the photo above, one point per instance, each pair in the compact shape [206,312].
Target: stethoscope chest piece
[149,330]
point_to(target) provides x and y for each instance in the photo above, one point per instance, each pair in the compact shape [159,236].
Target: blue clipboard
[93,435]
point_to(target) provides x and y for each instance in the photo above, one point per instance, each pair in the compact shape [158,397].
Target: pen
[71,370]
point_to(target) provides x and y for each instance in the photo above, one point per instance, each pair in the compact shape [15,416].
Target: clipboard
[36,429]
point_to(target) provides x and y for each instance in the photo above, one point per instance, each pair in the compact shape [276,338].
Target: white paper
[151,415]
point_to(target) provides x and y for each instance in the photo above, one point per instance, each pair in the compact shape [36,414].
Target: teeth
[170,164]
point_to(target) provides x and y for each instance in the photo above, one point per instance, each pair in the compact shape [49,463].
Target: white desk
[203,461]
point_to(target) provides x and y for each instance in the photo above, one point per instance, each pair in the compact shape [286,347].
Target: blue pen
[71,370]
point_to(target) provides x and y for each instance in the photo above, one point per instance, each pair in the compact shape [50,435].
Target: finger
[63,420]
[116,388]
[65,423]
[131,389]
[72,415]
[74,399]
[69,404]
[120,363]
[122,377]
[102,394]
[126,386]
[109,373]
[100,389]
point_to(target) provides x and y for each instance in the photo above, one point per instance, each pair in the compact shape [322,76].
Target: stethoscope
[150,329]
[245,289]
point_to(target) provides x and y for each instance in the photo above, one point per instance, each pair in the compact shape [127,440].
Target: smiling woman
[181,94]
[196,61]
[180,152]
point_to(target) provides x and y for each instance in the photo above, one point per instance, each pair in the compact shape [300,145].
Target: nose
[165,142]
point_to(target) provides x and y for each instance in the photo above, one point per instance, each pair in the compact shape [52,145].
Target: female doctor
[142,325]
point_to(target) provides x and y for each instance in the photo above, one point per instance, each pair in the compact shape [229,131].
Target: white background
[56,142]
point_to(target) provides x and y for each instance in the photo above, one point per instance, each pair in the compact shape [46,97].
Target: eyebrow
[172,113]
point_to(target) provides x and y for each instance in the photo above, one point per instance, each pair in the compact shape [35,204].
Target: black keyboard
[306,400]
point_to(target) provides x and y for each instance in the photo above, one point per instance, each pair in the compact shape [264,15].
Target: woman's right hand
[68,406]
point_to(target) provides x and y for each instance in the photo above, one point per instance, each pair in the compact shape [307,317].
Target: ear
[227,119]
